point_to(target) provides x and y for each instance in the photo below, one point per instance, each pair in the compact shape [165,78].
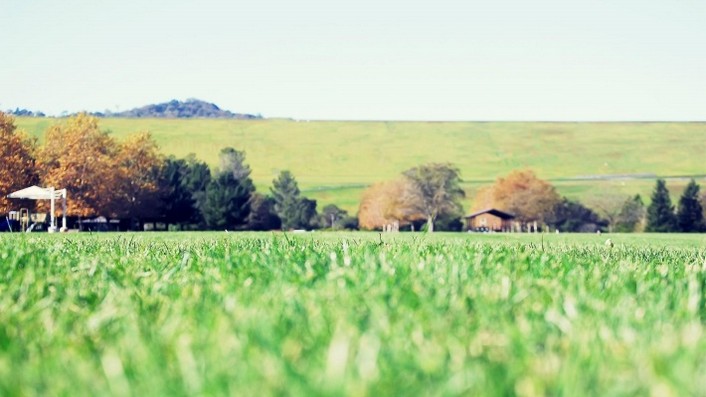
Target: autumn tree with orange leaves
[521,193]
[484,199]
[17,165]
[140,165]
[389,204]
[79,157]
[102,176]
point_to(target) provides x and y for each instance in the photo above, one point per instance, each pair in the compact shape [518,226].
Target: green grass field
[352,314]
[334,160]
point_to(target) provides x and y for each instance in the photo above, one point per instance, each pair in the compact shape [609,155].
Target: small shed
[489,220]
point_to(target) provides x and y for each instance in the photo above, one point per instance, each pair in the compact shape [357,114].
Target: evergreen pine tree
[196,178]
[227,203]
[690,217]
[227,198]
[177,205]
[294,210]
[660,213]
[285,192]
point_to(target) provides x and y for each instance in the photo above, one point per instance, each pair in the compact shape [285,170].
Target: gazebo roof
[34,193]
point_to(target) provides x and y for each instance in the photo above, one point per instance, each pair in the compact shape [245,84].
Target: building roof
[491,211]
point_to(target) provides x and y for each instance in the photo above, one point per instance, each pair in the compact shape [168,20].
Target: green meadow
[334,160]
[360,314]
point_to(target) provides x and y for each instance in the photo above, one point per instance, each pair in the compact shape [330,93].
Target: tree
[80,157]
[526,196]
[140,164]
[608,205]
[285,192]
[262,213]
[178,205]
[17,164]
[332,217]
[306,213]
[295,211]
[349,223]
[233,161]
[438,190]
[196,178]
[572,216]
[690,216]
[660,212]
[227,203]
[484,199]
[632,215]
[449,223]
[389,205]
[183,184]
[337,218]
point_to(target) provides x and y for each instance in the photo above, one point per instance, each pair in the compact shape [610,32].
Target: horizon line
[347,120]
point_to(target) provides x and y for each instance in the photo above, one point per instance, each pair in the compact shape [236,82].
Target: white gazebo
[45,193]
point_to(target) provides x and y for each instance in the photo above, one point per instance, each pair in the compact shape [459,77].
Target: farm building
[489,220]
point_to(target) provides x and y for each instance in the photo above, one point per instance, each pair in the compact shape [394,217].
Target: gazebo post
[63,211]
[52,224]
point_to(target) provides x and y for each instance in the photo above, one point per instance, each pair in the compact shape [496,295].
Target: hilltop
[174,109]
[191,108]
[334,160]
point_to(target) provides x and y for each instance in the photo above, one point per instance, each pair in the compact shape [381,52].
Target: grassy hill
[334,160]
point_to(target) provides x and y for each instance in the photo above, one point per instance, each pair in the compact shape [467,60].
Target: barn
[489,220]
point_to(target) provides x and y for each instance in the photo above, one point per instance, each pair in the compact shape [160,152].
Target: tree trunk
[430,224]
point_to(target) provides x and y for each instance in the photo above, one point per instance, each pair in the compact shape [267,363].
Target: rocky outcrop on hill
[174,109]
[191,108]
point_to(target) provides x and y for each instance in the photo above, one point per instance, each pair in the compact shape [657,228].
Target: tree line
[132,180]
[532,199]
[431,194]
[687,217]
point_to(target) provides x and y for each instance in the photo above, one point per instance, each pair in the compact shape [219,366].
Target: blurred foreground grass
[351,314]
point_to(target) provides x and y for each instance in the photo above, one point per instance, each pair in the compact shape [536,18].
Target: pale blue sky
[363,59]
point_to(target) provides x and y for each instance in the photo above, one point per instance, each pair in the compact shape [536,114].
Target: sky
[554,60]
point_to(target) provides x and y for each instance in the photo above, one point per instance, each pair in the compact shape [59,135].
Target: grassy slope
[333,160]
